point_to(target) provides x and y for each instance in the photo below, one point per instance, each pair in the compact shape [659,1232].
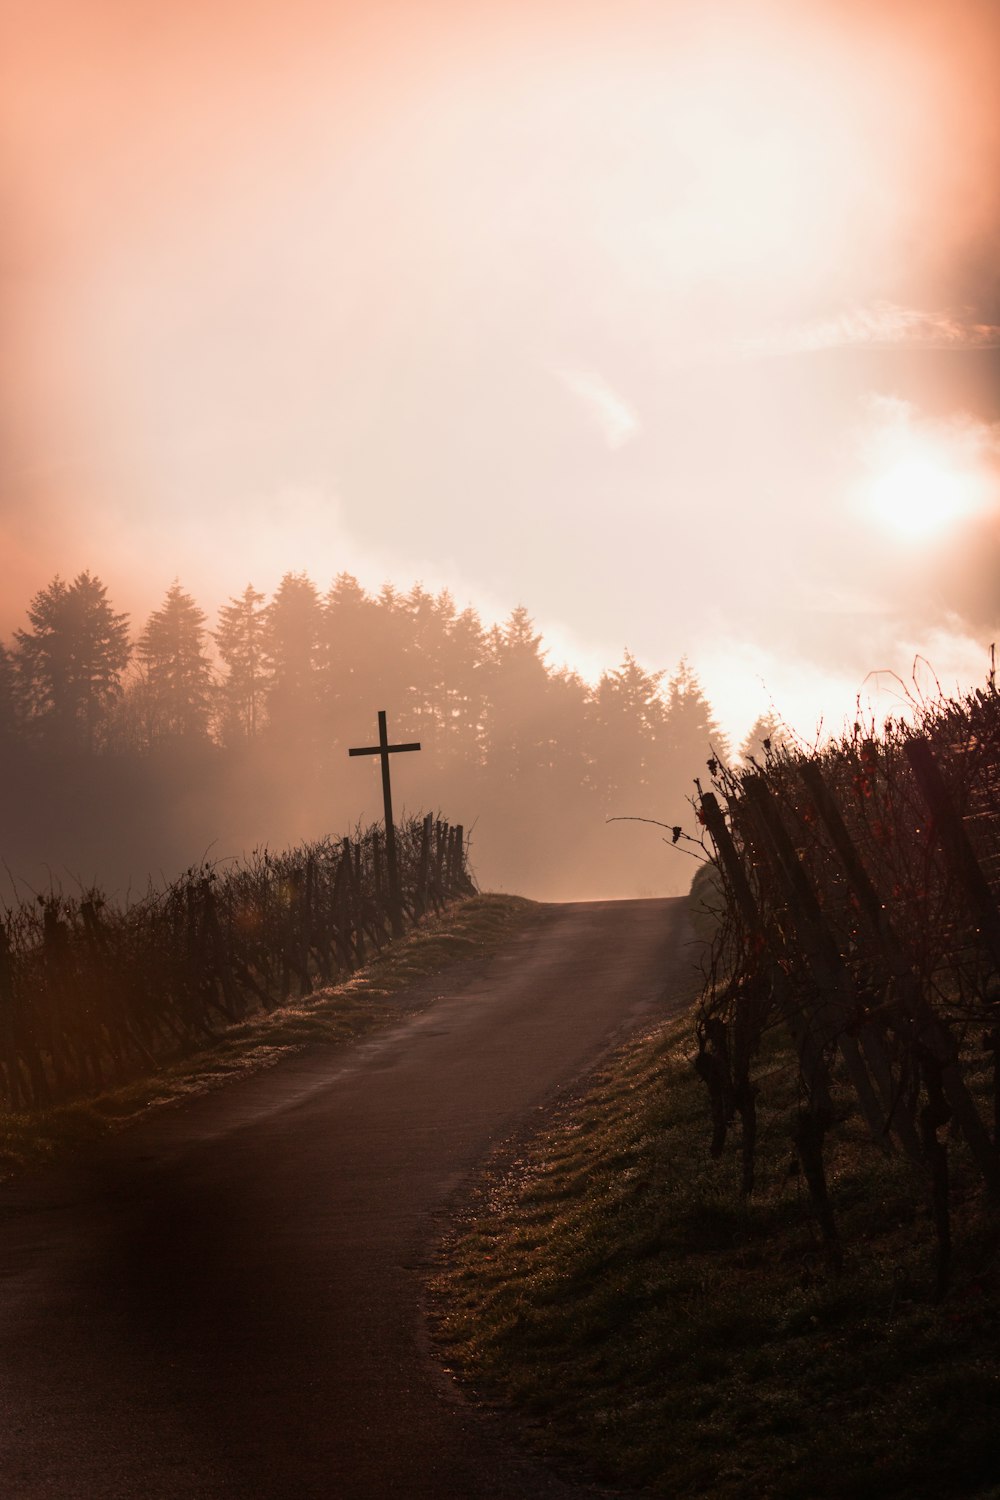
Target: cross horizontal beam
[383,747]
[388,749]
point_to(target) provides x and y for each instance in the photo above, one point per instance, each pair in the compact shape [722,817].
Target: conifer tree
[767,733]
[519,730]
[240,638]
[463,708]
[178,672]
[628,718]
[70,663]
[133,724]
[7,696]
[292,624]
[692,733]
[382,661]
[427,649]
[569,712]
[345,683]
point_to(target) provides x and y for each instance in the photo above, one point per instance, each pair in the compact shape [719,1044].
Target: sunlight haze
[678,324]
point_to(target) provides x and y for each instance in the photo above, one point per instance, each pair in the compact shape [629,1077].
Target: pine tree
[692,734]
[426,635]
[241,642]
[569,715]
[133,724]
[7,696]
[70,664]
[766,734]
[519,729]
[345,689]
[292,623]
[627,717]
[463,708]
[178,672]
[382,660]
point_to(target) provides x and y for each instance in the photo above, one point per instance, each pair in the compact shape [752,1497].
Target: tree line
[299,676]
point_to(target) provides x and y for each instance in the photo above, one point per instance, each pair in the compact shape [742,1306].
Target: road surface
[226,1300]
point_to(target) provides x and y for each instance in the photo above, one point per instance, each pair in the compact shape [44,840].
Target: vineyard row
[853,893]
[92,995]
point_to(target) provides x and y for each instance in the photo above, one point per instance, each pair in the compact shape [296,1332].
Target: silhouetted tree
[8,712]
[444,676]
[178,672]
[346,702]
[691,732]
[132,725]
[628,718]
[462,709]
[570,710]
[241,642]
[292,624]
[383,654]
[70,663]
[426,635]
[530,750]
[766,733]
[519,728]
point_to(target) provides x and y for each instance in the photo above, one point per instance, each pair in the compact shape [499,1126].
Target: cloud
[969,434]
[615,418]
[880,325]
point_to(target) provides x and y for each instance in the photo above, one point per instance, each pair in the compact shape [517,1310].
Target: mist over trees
[134,751]
[69,665]
[177,674]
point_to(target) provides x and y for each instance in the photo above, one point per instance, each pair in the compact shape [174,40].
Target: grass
[335,1016]
[613,1288]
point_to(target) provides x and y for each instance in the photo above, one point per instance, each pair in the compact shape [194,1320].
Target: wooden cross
[384,749]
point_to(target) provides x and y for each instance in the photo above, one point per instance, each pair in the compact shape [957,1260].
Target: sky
[678,323]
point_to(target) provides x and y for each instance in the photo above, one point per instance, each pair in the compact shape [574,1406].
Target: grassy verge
[614,1289]
[469,929]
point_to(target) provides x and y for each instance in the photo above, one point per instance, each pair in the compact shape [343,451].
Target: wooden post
[423,865]
[731,862]
[358,907]
[805,1037]
[441,835]
[732,1066]
[956,842]
[935,1033]
[232,1003]
[383,749]
[13,1043]
[828,969]
[875,913]
[377,889]
[460,878]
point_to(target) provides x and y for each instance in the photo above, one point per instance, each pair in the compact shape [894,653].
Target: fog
[677,324]
[131,753]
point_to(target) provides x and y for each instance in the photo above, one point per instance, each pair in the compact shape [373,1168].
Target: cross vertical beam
[383,749]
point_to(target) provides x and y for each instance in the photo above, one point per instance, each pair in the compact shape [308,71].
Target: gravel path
[225,1301]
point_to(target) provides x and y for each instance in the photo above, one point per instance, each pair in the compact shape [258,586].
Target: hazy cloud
[960,449]
[883,325]
[614,417]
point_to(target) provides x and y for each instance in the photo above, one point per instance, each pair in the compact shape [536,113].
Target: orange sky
[642,314]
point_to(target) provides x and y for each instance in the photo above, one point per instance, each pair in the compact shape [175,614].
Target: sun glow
[921,496]
[925,479]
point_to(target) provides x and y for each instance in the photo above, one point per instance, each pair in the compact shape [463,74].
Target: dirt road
[225,1302]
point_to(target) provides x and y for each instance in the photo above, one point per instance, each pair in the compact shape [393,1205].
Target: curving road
[225,1302]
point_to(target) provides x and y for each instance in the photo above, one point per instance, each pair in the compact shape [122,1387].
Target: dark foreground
[227,1301]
